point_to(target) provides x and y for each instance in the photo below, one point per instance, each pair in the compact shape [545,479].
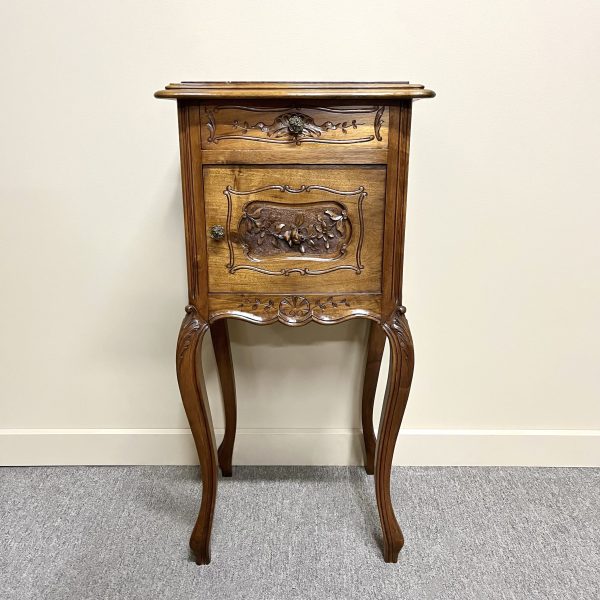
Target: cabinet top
[294,89]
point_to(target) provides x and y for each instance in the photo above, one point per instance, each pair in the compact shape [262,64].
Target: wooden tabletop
[381,90]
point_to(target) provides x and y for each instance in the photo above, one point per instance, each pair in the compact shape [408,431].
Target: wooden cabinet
[295,202]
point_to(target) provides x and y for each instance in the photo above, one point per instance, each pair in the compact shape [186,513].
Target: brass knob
[217,232]
[296,124]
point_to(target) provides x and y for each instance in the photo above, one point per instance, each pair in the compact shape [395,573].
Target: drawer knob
[296,124]
[217,232]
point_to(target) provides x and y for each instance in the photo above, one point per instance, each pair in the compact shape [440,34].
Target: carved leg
[220,339]
[195,402]
[396,396]
[374,353]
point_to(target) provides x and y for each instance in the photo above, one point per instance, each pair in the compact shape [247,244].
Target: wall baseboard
[301,446]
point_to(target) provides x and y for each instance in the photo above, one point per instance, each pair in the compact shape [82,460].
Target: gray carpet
[281,533]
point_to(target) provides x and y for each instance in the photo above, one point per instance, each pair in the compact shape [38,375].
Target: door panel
[309,229]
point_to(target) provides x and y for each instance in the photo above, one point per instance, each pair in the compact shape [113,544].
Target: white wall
[502,277]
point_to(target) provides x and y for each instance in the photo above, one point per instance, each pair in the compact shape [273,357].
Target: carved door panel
[309,229]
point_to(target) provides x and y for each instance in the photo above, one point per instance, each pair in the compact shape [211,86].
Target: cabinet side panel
[194,220]
[395,216]
[391,224]
[185,151]
[401,195]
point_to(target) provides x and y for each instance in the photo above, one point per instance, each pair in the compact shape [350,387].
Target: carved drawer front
[294,229]
[227,127]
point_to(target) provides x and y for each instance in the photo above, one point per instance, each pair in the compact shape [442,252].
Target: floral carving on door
[270,231]
[276,229]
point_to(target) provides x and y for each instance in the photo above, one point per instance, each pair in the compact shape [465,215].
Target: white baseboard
[301,447]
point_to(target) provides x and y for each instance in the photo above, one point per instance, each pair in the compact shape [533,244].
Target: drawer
[230,127]
[303,229]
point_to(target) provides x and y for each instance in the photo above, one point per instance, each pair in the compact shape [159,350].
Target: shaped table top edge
[294,90]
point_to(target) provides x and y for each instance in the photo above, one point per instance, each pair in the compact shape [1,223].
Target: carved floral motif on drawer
[293,125]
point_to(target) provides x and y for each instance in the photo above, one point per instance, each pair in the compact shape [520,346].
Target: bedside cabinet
[294,202]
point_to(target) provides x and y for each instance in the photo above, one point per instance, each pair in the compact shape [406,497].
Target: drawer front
[229,127]
[309,229]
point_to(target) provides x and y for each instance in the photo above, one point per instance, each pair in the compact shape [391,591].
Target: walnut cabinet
[294,201]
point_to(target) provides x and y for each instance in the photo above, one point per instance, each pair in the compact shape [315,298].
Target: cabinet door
[305,229]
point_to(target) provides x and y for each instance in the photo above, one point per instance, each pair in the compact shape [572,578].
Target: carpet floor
[96,533]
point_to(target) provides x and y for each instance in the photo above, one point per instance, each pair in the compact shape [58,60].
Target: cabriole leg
[195,402]
[396,397]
